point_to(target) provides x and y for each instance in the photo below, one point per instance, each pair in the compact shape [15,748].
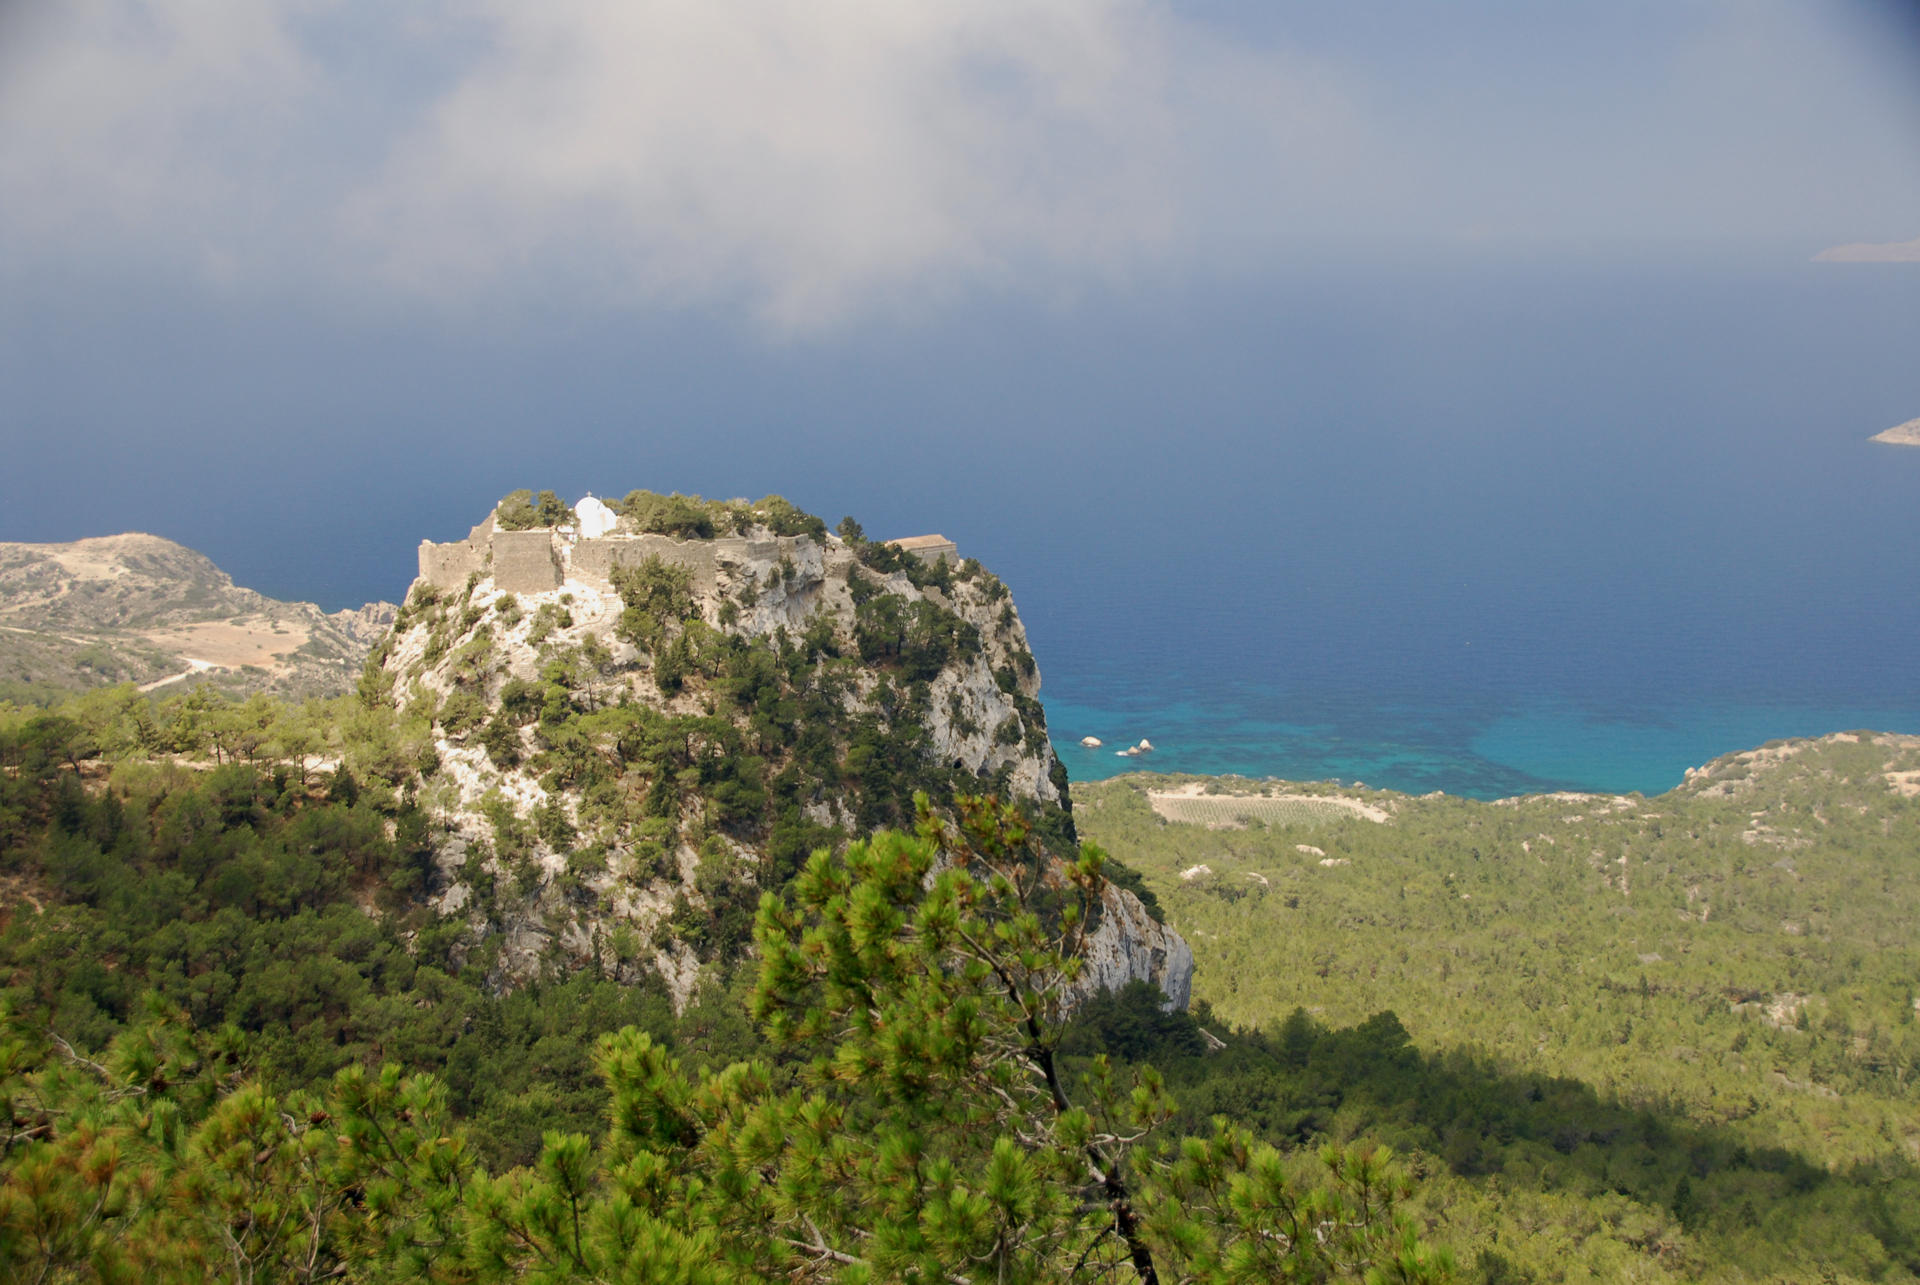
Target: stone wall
[591,562]
[447,566]
[928,548]
[525,562]
[539,561]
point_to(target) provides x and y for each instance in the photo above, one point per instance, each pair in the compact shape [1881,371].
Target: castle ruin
[540,561]
[928,548]
[543,559]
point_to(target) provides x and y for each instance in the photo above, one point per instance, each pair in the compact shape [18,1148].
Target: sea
[1583,535]
[1485,526]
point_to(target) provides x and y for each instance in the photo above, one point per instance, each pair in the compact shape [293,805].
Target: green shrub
[657,595]
[782,517]
[686,517]
[462,712]
[525,511]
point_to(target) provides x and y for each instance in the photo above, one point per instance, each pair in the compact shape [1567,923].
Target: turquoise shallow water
[1417,751]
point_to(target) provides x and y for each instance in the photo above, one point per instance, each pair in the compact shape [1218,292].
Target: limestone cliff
[635,731]
[1130,945]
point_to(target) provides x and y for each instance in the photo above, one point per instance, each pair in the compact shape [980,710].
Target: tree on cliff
[657,597]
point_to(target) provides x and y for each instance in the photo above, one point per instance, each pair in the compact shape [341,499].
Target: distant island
[1872,252]
[1907,434]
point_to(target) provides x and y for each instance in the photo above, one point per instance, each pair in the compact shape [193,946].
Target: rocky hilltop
[142,609]
[642,714]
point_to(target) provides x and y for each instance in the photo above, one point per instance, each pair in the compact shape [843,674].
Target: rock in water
[1907,434]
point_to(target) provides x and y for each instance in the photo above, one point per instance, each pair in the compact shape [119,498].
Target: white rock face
[1129,946]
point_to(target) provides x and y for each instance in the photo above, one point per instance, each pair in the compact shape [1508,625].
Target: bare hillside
[142,609]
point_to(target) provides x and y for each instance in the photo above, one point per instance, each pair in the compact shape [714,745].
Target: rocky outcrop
[982,715]
[610,822]
[1129,945]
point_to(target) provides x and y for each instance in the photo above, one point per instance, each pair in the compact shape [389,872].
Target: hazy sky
[800,163]
[241,237]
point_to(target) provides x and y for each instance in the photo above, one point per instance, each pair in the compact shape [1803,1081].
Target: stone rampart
[447,566]
[591,562]
[928,548]
[538,561]
[525,562]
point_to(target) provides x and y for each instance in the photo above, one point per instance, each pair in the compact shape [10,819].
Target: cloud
[816,160]
[811,162]
[802,157]
[805,161]
[147,128]
[1871,252]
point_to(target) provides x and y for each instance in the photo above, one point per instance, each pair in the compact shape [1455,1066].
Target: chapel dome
[594,518]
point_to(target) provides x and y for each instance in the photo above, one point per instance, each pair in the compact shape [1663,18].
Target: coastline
[1485,753]
[1229,800]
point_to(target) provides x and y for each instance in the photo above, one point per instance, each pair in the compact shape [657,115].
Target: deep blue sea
[1481,527]
[1580,539]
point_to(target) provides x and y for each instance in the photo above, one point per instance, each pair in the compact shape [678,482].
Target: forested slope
[1672,1035]
[234,1047]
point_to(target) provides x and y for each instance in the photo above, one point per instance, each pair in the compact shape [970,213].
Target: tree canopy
[909,1119]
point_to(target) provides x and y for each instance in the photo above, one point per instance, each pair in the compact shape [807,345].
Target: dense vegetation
[240,896]
[1641,1038]
[233,1047]
[691,517]
[1698,1062]
[525,511]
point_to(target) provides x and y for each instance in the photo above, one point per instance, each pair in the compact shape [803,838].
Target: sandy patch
[232,644]
[1602,802]
[1905,784]
[1190,805]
